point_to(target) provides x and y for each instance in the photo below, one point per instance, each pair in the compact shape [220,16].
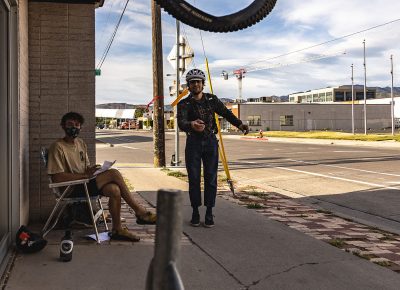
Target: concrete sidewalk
[245,250]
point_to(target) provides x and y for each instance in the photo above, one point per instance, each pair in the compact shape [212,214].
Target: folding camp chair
[62,200]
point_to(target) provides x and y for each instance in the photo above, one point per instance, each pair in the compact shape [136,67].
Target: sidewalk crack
[288,270]
[244,287]
[282,272]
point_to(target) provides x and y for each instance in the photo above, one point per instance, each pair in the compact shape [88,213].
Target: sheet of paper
[106,165]
[102,237]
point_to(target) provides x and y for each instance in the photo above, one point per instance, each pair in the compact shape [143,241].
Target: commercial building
[314,116]
[47,61]
[332,94]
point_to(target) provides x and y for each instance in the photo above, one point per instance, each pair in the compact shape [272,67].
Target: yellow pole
[221,142]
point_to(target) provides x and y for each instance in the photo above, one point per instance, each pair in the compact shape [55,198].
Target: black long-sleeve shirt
[190,110]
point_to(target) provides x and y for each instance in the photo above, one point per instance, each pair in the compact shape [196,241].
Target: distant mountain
[117,106]
[386,92]
[380,92]
[283,99]
[226,100]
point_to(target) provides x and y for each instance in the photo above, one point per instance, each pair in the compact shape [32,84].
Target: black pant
[79,190]
[199,148]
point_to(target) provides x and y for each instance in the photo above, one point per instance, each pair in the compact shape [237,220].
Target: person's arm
[223,111]
[66,176]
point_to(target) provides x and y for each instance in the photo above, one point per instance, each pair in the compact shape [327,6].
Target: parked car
[128,125]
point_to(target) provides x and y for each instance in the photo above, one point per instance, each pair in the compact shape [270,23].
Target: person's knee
[113,190]
[115,174]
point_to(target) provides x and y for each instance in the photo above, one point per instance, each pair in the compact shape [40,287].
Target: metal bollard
[162,273]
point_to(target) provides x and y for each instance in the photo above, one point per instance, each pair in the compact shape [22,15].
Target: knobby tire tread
[194,17]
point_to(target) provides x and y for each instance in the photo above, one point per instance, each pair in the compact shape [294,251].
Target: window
[286,120]
[303,99]
[339,96]
[359,95]
[329,97]
[254,120]
[370,95]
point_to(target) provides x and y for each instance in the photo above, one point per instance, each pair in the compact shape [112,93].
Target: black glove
[244,128]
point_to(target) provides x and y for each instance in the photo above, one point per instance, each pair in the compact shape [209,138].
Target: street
[357,182]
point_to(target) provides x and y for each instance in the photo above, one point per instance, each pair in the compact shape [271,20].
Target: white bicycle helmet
[195,75]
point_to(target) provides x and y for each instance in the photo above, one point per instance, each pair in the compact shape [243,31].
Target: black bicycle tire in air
[197,18]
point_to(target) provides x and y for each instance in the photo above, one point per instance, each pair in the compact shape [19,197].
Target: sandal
[147,218]
[124,235]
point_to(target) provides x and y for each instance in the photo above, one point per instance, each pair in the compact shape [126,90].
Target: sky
[126,74]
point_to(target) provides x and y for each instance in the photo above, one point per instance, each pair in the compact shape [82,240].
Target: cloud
[292,25]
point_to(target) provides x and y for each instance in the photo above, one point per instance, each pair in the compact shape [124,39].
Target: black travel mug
[66,247]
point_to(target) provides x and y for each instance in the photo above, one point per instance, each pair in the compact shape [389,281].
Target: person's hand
[244,128]
[90,170]
[198,125]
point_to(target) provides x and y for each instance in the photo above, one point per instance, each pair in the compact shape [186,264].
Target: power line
[106,22]
[325,42]
[103,58]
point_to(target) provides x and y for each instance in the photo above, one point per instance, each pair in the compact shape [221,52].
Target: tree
[139,112]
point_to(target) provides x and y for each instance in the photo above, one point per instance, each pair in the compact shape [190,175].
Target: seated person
[68,160]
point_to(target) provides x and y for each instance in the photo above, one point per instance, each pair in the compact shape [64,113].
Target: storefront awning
[116,113]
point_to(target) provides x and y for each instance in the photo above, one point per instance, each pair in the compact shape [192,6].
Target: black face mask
[72,132]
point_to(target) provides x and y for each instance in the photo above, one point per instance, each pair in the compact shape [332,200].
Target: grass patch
[358,254]
[338,243]
[324,211]
[128,184]
[222,178]
[332,135]
[165,169]
[258,194]
[249,188]
[254,206]
[176,174]
[387,237]
[383,263]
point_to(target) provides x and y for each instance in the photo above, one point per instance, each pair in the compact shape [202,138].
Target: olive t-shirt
[69,158]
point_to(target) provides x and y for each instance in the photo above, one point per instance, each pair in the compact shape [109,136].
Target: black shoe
[195,222]
[209,221]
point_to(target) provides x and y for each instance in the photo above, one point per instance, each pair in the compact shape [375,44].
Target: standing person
[68,160]
[196,117]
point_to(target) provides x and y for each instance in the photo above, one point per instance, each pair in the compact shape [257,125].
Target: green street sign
[97,72]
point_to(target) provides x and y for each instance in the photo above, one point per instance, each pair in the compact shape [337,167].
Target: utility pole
[178,75]
[158,89]
[391,93]
[352,98]
[365,93]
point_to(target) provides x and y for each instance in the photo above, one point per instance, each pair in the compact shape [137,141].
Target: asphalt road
[357,182]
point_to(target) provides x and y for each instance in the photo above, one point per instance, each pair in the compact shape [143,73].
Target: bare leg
[113,176]
[112,191]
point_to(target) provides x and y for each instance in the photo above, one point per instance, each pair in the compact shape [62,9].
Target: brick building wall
[62,79]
